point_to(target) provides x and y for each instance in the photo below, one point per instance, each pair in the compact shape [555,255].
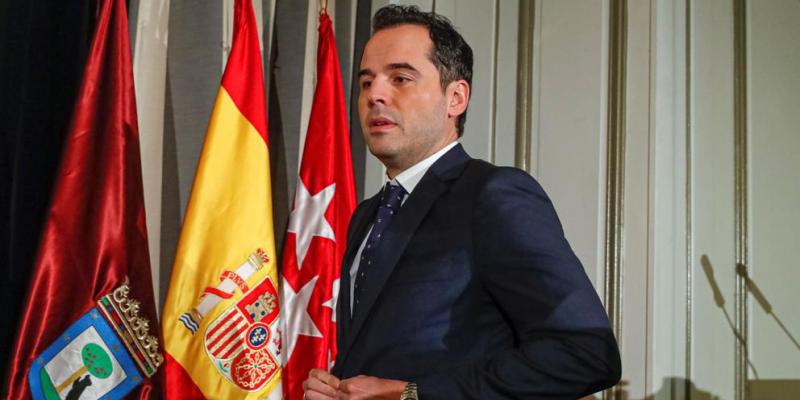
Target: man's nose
[378,93]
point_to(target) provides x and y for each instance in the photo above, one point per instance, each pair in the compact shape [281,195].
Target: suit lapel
[398,234]
[362,222]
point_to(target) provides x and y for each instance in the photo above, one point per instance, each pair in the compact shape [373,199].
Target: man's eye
[401,79]
[365,84]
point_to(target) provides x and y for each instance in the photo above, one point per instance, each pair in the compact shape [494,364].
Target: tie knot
[392,196]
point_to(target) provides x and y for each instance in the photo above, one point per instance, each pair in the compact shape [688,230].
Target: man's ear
[458,99]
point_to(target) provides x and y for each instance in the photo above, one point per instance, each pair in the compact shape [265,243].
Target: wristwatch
[410,392]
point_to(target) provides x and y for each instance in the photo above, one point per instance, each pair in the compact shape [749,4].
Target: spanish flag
[220,317]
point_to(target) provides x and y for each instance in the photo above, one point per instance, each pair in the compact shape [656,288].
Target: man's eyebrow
[402,66]
[392,66]
[365,72]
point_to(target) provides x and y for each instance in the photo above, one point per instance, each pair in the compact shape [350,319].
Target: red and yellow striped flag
[220,317]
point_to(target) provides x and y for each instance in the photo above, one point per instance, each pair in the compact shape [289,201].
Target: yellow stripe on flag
[228,218]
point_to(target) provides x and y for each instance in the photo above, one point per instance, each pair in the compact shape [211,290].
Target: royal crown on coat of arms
[131,328]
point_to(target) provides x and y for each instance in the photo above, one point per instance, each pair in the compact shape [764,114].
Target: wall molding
[615,167]
[522,148]
[493,131]
[689,192]
[740,193]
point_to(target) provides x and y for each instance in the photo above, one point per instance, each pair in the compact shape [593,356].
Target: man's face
[401,105]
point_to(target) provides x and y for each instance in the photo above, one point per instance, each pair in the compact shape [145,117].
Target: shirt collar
[409,178]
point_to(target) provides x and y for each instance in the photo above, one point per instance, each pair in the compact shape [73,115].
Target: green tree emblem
[97,361]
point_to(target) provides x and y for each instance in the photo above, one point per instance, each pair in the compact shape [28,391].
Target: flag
[91,278]
[220,317]
[317,232]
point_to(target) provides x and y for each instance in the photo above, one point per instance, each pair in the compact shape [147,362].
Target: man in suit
[457,282]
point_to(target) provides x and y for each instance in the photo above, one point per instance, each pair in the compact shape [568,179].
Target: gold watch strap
[410,392]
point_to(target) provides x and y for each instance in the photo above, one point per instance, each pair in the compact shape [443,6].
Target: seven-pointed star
[295,310]
[308,218]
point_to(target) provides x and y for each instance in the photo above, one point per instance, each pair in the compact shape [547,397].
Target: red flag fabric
[94,235]
[316,235]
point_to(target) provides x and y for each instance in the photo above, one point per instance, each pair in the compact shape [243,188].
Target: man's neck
[412,175]
[393,170]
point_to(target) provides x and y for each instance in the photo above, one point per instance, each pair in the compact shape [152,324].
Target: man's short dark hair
[451,54]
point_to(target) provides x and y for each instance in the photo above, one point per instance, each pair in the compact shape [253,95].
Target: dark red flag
[316,236]
[94,235]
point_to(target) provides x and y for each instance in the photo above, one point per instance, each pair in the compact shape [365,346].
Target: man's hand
[320,385]
[370,388]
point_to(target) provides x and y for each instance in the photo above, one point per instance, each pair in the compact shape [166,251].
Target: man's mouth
[381,123]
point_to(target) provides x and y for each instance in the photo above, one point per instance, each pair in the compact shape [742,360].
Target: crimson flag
[91,279]
[317,232]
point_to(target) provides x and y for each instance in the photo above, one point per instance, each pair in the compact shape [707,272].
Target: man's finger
[317,396]
[345,386]
[325,377]
[320,385]
[342,396]
[314,385]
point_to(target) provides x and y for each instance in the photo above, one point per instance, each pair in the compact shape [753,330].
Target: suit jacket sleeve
[565,348]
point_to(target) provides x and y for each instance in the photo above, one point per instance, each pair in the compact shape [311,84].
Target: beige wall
[773,78]
[700,309]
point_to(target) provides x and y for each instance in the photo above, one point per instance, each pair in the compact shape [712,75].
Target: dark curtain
[43,46]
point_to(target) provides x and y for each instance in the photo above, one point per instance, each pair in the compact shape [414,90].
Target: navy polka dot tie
[391,199]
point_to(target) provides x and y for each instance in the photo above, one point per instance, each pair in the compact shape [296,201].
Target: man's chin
[385,155]
[381,149]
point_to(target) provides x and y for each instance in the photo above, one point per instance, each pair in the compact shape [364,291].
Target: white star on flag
[308,218]
[295,311]
[331,303]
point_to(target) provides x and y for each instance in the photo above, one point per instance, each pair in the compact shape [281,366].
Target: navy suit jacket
[475,293]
